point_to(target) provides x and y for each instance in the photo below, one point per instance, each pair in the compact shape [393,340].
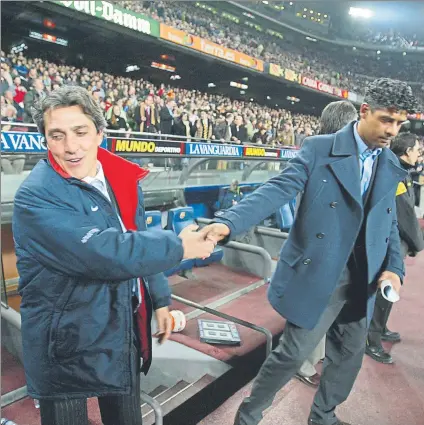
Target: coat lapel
[346,169]
[387,176]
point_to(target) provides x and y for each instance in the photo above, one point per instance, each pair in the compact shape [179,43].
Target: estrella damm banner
[261,152]
[146,147]
[203,45]
[112,12]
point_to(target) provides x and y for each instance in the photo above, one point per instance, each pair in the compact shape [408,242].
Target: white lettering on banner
[271,154]
[288,154]
[167,149]
[22,142]
[109,12]
[325,88]
[309,82]
[211,149]
[215,50]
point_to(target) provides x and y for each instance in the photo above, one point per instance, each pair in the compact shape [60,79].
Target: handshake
[201,244]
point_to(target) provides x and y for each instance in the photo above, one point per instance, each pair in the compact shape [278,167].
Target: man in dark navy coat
[343,244]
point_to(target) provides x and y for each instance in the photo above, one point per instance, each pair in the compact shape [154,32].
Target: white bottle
[5,421]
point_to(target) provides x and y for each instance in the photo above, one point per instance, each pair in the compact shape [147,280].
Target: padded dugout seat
[154,222]
[178,219]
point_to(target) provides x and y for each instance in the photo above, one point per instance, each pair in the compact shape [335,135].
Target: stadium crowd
[383,34]
[138,105]
[338,68]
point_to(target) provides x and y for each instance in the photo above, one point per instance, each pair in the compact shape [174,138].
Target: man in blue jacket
[343,244]
[89,271]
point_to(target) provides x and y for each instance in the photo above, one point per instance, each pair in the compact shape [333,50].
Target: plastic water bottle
[5,421]
[36,403]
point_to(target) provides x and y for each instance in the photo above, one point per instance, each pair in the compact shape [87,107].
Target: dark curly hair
[385,93]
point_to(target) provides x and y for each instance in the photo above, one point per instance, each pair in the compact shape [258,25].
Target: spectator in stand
[148,119]
[32,97]
[223,129]
[183,127]
[204,127]
[166,115]
[238,131]
[116,121]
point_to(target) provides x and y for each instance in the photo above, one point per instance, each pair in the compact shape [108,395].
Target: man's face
[413,154]
[238,121]
[73,140]
[378,127]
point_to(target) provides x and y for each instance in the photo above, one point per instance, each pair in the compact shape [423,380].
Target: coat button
[389,210]
[333,204]
[307,261]
[320,235]
[325,181]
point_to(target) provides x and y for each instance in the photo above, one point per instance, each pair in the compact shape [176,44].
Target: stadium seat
[285,217]
[153,220]
[178,219]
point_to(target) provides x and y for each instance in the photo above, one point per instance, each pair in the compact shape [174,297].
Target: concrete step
[175,396]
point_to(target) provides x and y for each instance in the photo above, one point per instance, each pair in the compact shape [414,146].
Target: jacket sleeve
[159,290]
[394,261]
[409,228]
[63,239]
[277,192]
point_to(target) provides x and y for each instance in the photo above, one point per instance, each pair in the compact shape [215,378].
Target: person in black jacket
[407,148]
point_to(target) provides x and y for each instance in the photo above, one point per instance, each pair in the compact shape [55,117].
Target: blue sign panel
[288,153]
[212,149]
[18,141]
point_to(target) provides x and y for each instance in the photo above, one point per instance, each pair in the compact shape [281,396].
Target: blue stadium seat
[153,220]
[285,217]
[178,219]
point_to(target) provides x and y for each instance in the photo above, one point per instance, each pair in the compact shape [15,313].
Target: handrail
[266,332]
[271,232]
[155,405]
[253,249]
[14,318]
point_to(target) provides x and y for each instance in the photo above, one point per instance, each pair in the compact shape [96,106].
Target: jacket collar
[123,177]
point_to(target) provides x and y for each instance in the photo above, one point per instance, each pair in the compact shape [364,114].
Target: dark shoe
[312,381]
[378,354]
[390,336]
[339,422]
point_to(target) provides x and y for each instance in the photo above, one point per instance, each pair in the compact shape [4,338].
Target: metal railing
[152,136]
[266,332]
[14,319]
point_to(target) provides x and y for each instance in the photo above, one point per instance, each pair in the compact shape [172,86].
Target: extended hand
[195,244]
[394,279]
[164,324]
[215,232]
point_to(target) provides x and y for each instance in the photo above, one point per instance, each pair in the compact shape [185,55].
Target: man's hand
[215,232]
[195,244]
[394,279]
[164,324]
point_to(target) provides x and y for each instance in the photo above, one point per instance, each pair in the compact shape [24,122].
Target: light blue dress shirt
[367,157]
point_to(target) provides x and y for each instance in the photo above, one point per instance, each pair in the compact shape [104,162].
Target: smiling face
[73,140]
[378,127]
